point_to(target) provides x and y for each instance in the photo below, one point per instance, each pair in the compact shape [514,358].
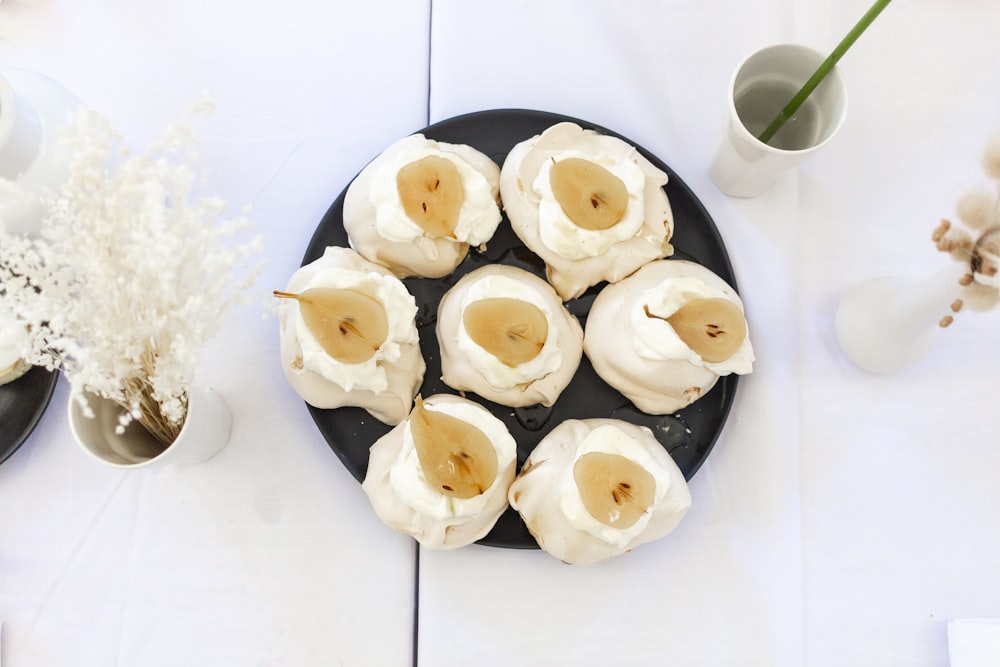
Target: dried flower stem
[139,400]
[822,71]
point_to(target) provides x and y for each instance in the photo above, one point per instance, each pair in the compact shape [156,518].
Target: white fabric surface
[269,554]
[974,642]
[841,519]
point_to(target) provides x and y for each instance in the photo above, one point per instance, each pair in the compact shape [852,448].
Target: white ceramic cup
[205,432]
[761,86]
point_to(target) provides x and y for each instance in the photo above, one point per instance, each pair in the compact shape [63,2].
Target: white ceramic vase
[886,324]
[743,166]
[205,432]
[34,153]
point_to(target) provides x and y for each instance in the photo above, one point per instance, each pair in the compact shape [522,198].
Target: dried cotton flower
[978,245]
[991,157]
[978,209]
[131,274]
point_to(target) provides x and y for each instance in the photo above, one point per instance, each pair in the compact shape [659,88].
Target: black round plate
[22,403]
[688,435]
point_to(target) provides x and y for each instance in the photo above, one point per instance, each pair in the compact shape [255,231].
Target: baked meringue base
[404,375]
[655,386]
[423,256]
[459,374]
[435,533]
[14,371]
[535,494]
[572,277]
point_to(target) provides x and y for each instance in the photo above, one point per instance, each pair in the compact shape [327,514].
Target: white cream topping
[656,339]
[407,479]
[497,373]
[400,311]
[561,235]
[12,337]
[610,439]
[477,219]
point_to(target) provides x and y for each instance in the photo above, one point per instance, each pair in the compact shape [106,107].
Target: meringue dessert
[12,335]
[588,204]
[442,475]
[596,488]
[505,335]
[349,337]
[11,368]
[676,326]
[418,207]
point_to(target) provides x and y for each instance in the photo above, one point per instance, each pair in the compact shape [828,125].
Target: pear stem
[825,68]
[285,295]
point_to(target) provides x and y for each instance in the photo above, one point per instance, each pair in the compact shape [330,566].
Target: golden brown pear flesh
[512,330]
[590,195]
[432,194]
[616,490]
[714,328]
[456,457]
[348,325]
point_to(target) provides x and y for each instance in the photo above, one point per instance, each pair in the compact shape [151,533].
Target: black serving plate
[687,435]
[22,404]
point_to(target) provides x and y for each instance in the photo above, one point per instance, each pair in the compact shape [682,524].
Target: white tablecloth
[842,518]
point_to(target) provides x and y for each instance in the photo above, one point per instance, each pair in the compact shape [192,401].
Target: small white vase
[34,153]
[205,432]
[886,324]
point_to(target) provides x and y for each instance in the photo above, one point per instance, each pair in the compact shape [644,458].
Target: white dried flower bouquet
[131,274]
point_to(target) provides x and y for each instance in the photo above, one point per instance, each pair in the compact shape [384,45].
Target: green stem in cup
[825,67]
